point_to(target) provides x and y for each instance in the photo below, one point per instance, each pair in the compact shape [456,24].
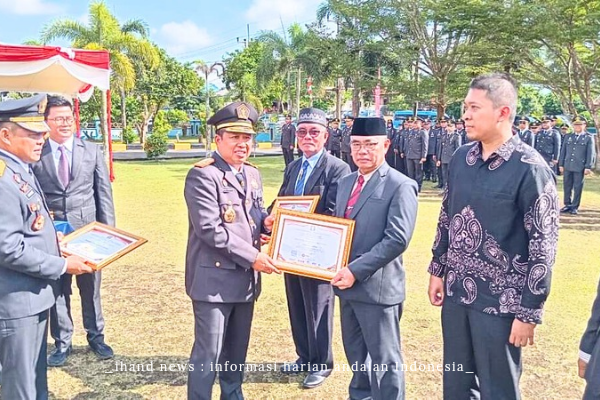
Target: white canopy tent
[58,70]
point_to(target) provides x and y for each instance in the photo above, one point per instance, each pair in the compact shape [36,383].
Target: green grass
[149,317]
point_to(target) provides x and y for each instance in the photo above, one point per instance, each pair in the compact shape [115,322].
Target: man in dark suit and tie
[311,301]
[30,261]
[73,175]
[383,204]
[226,216]
[589,353]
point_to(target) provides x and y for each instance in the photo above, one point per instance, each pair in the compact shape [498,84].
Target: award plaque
[297,203]
[99,244]
[311,245]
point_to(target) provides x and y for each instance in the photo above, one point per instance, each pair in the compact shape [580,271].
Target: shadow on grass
[116,378]
[122,375]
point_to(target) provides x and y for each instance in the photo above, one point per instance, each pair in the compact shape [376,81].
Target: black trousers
[491,367]
[573,184]
[429,168]
[335,153]
[371,338]
[288,155]
[401,165]
[310,305]
[347,158]
[415,171]
[221,336]
[61,321]
[23,347]
[444,179]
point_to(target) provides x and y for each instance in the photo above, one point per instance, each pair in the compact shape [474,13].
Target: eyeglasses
[369,146]
[62,120]
[302,133]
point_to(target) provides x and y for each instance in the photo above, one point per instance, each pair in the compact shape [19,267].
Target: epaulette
[250,164]
[204,163]
[2,168]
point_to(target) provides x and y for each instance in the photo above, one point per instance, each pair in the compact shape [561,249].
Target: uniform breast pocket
[231,211]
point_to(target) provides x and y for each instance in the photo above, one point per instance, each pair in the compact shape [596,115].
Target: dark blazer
[323,181]
[288,136]
[385,216]
[30,265]
[88,197]
[590,344]
[220,253]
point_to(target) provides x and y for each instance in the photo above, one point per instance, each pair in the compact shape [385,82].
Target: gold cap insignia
[42,105]
[242,111]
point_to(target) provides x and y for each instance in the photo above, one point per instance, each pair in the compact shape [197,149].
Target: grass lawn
[149,318]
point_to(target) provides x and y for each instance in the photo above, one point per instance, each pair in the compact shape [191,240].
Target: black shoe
[58,357]
[565,209]
[102,350]
[292,368]
[573,211]
[315,379]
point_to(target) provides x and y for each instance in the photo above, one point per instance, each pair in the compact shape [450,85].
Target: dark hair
[57,101]
[500,88]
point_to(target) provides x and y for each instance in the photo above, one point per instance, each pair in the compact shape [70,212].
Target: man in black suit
[73,175]
[311,301]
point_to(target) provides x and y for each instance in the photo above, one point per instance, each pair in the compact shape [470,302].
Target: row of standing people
[491,279]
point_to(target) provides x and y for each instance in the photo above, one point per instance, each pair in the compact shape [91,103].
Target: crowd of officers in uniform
[422,149]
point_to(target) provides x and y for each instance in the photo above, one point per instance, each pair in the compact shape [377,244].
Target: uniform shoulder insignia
[204,163]
[250,164]
[2,168]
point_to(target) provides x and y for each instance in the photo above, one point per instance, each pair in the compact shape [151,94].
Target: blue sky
[188,29]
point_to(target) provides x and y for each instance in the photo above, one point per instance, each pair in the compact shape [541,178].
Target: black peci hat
[371,126]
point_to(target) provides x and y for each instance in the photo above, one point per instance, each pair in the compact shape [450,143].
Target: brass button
[217,264]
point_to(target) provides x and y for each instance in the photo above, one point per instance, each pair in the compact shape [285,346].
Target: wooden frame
[323,242]
[297,203]
[116,243]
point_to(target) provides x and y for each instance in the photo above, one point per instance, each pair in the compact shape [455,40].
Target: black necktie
[240,178]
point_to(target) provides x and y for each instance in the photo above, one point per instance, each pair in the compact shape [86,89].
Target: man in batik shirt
[494,248]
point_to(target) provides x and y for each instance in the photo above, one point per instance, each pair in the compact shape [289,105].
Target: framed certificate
[311,245]
[297,203]
[99,244]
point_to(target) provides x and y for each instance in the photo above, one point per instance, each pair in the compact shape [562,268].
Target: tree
[125,43]
[240,74]
[157,88]
[283,56]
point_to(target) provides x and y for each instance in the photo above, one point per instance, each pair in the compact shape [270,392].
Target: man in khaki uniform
[226,217]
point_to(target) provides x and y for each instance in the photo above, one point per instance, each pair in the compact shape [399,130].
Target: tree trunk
[106,134]
[123,113]
[355,97]
[298,84]
[338,98]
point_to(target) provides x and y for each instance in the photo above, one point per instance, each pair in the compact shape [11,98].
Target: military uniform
[390,156]
[429,169]
[577,155]
[30,263]
[334,141]
[415,149]
[547,143]
[288,141]
[447,145]
[398,149]
[345,147]
[226,214]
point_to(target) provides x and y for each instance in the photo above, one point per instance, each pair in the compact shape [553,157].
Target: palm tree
[125,43]
[284,54]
